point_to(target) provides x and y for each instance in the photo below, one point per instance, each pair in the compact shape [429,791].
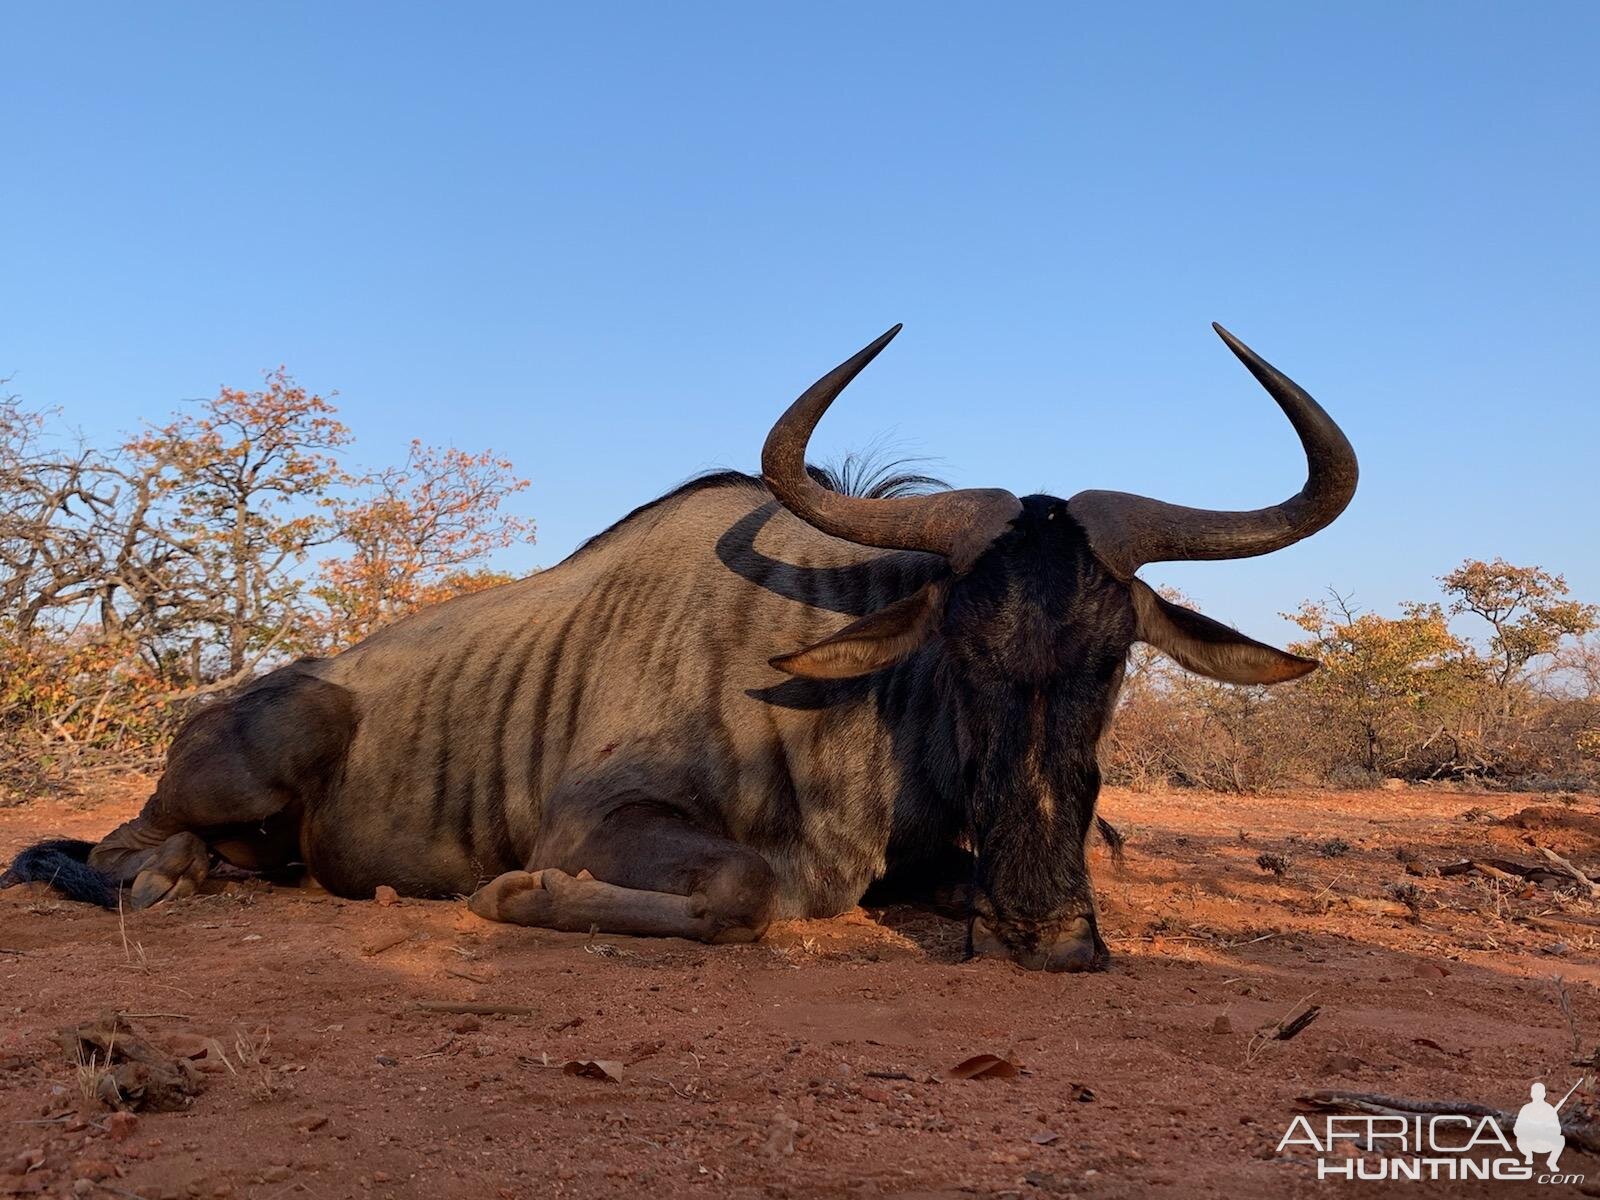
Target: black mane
[861,475]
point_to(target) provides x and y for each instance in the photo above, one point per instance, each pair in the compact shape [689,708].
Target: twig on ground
[477,1010]
[1253,941]
[1282,1029]
[1564,1002]
[1293,1028]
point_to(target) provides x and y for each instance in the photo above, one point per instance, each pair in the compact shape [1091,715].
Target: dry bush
[1404,697]
[138,580]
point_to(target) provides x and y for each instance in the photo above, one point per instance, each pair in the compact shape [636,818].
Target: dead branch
[1583,1134]
[1577,875]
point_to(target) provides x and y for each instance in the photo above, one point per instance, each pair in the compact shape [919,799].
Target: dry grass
[133,954]
[95,1080]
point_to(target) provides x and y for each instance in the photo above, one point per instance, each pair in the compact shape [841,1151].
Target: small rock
[1428,970]
[121,1126]
[1342,1064]
[386,896]
[385,1060]
[1556,948]
[467,1024]
[311,1122]
[1223,1024]
[781,1135]
[27,1161]
[380,1177]
[874,1093]
[82,1187]
[93,1169]
[1046,1182]
[276,1174]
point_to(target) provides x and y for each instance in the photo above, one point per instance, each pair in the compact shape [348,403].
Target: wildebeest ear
[1209,647]
[876,641]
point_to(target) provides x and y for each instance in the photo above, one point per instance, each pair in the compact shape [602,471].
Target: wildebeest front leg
[552,899]
[643,870]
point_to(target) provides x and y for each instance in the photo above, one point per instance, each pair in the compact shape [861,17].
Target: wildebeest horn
[1127,531]
[956,524]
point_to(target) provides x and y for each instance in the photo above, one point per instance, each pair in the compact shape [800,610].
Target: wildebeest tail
[63,863]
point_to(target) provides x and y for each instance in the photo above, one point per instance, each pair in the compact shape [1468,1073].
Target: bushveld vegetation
[1496,682]
[140,579]
[137,580]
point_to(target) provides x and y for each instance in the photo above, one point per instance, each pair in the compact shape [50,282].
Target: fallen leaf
[594,1068]
[1433,1045]
[984,1066]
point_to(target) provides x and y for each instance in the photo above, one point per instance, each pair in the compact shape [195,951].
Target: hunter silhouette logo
[1538,1127]
[1400,1146]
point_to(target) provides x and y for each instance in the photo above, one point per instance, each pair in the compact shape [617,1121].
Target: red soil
[815,1062]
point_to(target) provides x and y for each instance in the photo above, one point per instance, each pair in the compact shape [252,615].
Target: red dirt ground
[815,1063]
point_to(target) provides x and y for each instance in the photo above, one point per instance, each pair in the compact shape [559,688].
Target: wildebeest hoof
[506,897]
[176,870]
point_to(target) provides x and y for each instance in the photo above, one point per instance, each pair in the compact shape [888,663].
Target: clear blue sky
[613,241]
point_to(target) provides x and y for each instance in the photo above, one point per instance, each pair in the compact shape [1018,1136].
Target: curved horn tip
[858,361]
[1244,354]
[1233,342]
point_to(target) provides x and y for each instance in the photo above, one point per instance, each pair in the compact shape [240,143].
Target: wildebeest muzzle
[1068,943]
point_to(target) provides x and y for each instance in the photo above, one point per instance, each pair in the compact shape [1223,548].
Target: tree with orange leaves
[419,534]
[1527,609]
[237,501]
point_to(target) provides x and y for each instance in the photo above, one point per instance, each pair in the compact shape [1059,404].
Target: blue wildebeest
[749,699]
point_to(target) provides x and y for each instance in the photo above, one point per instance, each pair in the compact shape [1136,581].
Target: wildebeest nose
[1079,948]
[1075,947]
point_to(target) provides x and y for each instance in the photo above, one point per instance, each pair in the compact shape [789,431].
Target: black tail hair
[63,863]
[1113,838]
